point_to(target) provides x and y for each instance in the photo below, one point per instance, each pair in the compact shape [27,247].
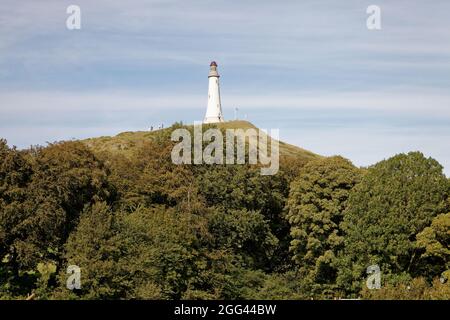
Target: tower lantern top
[213,70]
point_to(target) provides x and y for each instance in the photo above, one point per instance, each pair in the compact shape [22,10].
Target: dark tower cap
[213,63]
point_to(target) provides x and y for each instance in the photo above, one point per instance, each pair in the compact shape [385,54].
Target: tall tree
[316,205]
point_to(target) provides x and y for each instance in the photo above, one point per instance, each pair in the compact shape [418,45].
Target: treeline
[140,227]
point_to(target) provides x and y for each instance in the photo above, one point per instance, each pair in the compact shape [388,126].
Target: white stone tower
[214,109]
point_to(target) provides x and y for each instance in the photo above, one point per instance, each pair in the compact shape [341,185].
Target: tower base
[212,120]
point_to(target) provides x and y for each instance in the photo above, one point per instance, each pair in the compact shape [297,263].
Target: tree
[151,253]
[395,200]
[315,209]
[15,175]
[434,243]
[246,233]
[148,176]
[51,186]
[241,188]
[95,249]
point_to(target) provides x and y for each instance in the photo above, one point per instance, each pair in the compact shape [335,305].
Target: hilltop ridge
[126,142]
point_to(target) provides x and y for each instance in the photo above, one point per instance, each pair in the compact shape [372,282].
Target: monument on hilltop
[214,108]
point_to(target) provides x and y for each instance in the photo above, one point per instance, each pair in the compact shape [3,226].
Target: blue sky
[310,68]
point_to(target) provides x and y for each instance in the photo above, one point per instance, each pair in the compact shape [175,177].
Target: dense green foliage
[395,201]
[316,207]
[140,227]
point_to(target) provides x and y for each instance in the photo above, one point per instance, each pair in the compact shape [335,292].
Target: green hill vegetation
[126,142]
[140,227]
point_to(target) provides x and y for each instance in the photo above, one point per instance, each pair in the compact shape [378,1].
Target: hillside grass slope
[126,142]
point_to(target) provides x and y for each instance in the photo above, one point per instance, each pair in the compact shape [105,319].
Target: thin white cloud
[423,102]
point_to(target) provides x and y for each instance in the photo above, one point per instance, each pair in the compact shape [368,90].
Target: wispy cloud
[425,102]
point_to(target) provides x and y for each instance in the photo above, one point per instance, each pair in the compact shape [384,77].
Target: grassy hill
[126,142]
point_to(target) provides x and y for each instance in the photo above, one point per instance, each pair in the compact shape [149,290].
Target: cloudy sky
[310,68]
